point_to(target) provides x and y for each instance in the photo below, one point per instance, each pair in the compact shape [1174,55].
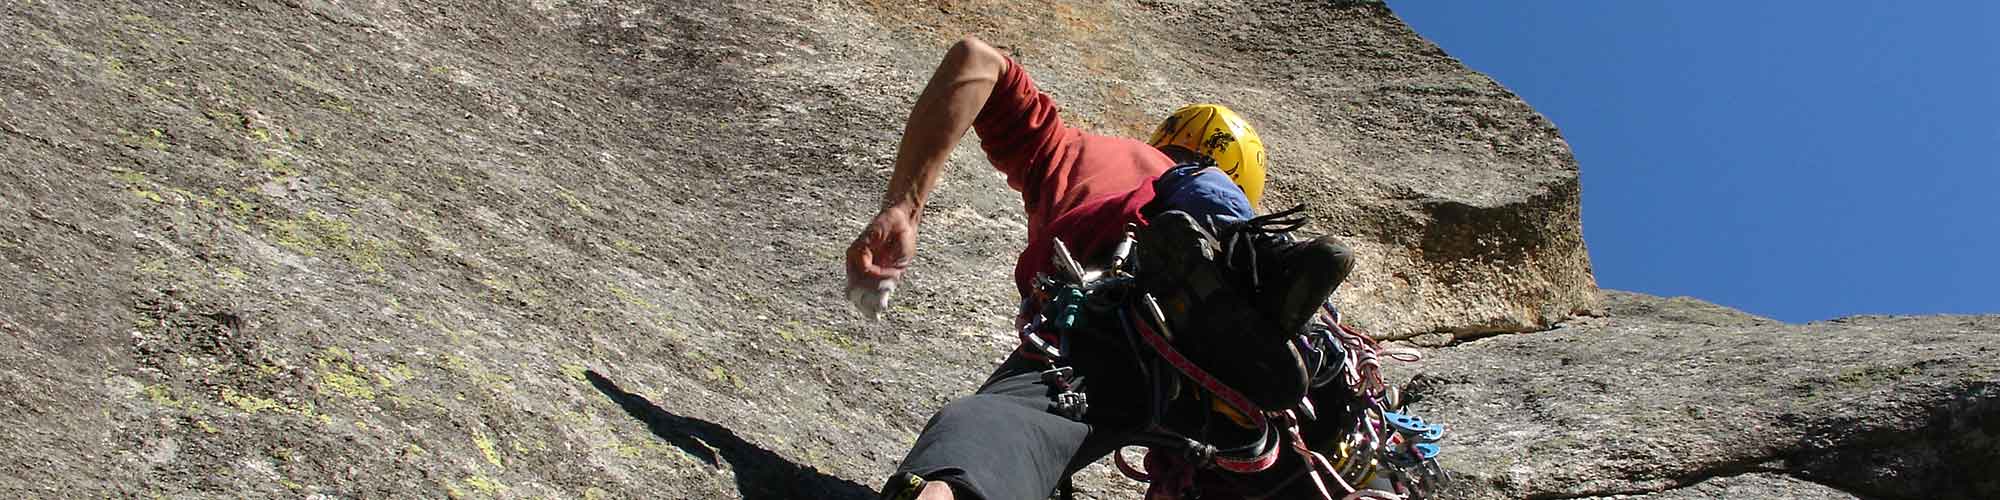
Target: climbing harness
[1379,453]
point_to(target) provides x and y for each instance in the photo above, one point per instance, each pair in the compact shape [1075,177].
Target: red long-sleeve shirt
[1082,188]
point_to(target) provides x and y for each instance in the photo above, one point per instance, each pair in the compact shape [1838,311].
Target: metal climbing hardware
[1068,403]
[1412,455]
[1123,253]
[1071,270]
[1031,336]
[1058,377]
[1072,405]
[1410,425]
[1059,308]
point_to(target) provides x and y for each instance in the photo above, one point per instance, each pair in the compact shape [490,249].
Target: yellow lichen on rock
[574,372]
[317,232]
[485,485]
[340,375]
[487,448]
[249,403]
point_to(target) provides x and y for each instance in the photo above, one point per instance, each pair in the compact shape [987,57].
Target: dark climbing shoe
[1305,275]
[1291,277]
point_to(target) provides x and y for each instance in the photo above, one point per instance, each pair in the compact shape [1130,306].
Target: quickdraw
[1385,455]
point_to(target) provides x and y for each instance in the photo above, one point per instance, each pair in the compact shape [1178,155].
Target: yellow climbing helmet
[1216,132]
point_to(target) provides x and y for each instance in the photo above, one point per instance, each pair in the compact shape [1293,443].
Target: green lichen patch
[151,139]
[228,120]
[574,203]
[574,372]
[652,312]
[232,276]
[206,427]
[465,367]
[250,403]
[628,297]
[627,246]
[1872,376]
[318,233]
[163,396]
[637,450]
[714,371]
[487,448]
[254,404]
[112,67]
[485,485]
[135,182]
[155,267]
[340,375]
[347,384]
[396,374]
[277,166]
[526,446]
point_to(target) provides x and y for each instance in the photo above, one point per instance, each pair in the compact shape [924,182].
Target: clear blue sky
[1798,160]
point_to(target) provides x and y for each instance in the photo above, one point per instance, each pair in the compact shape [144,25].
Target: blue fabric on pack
[1202,191]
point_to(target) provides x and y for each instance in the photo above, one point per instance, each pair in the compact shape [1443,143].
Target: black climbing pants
[1005,442]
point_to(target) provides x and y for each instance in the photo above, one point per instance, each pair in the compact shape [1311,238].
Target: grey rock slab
[375,249]
[1756,485]
[1622,304]
[1895,407]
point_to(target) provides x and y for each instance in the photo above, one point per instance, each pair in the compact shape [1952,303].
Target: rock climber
[1203,166]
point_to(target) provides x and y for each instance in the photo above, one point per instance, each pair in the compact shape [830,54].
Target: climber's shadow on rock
[760,474]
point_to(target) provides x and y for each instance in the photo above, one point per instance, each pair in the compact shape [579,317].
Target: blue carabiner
[1414,427]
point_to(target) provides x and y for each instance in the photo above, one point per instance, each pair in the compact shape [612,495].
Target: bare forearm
[943,113]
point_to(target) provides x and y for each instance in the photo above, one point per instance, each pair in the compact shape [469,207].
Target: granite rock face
[590,249]
[1752,485]
[1660,398]
[1690,310]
